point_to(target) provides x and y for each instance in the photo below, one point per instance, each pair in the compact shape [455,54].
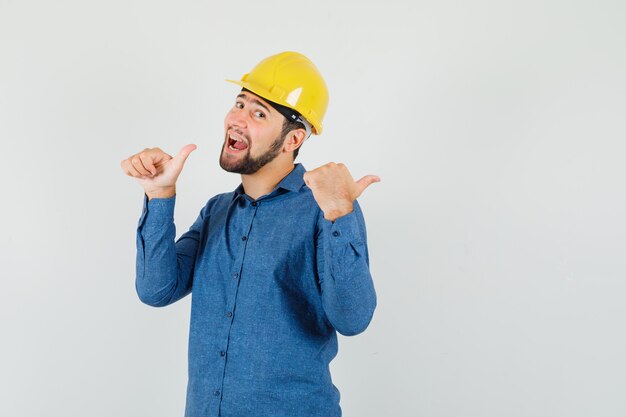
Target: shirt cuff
[161,210]
[343,230]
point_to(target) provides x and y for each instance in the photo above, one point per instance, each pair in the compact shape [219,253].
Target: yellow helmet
[291,80]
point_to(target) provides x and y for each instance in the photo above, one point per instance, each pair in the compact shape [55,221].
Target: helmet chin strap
[307,126]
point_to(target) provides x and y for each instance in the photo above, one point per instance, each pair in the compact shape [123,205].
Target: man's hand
[157,171]
[335,190]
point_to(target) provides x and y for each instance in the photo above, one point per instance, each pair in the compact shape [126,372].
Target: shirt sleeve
[164,266]
[348,294]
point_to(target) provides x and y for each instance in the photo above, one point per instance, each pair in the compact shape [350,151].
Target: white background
[497,236]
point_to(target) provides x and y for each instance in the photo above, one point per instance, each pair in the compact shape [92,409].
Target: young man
[276,267]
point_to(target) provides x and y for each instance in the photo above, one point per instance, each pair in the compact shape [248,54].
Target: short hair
[288,126]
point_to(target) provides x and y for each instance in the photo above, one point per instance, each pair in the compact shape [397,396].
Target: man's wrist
[334,214]
[164,193]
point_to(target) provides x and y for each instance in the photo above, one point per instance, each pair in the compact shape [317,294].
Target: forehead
[254,99]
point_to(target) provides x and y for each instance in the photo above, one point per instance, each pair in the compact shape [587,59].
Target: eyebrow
[254,101]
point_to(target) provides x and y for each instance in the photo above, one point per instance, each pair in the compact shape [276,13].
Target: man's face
[252,135]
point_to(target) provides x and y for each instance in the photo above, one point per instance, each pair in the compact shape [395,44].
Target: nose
[237,118]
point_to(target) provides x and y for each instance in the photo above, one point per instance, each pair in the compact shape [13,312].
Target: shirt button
[244,238]
[216,393]
[235,275]
[336,233]
[254,204]
[222,353]
[229,314]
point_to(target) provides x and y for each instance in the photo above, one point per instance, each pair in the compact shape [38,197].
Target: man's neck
[265,179]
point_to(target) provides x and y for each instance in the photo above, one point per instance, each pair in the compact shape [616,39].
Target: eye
[239,105]
[259,114]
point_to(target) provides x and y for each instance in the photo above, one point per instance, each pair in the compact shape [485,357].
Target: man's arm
[165,267]
[348,294]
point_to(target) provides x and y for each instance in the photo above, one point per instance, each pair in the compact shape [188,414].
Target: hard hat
[291,80]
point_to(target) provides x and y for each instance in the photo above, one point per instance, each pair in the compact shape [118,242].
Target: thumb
[365,182]
[184,153]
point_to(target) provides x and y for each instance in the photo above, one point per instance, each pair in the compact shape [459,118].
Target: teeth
[235,139]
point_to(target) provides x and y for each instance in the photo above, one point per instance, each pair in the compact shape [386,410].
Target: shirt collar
[292,182]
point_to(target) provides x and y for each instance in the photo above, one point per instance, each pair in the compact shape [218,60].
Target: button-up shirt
[272,282]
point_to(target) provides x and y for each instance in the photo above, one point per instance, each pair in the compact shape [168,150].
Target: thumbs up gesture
[157,171]
[335,190]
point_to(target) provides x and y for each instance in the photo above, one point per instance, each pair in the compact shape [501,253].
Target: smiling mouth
[236,144]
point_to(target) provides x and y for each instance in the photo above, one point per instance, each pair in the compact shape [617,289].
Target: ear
[294,139]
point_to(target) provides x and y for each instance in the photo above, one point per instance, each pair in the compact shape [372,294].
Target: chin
[230,164]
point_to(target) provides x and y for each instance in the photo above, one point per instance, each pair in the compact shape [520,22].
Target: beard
[249,165]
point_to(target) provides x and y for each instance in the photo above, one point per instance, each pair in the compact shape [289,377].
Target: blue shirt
[272,282]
